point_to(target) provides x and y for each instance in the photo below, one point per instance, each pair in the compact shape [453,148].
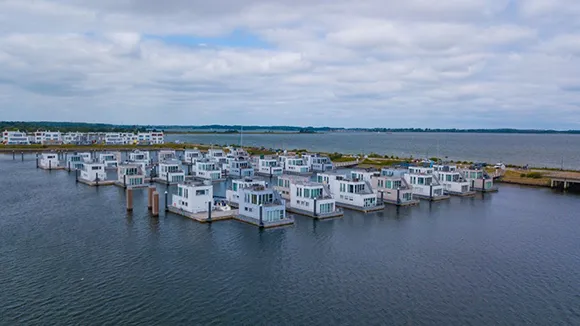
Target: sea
[534,150]
[71,254]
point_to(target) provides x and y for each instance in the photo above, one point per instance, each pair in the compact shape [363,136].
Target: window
[200,192]
[448,177]
[389,184]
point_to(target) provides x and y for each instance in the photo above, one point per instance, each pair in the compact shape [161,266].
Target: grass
[530,179]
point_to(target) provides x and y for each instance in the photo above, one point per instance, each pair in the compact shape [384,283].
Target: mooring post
[155,206]
[77,176]
[382,196]
[315,206]
[22,153]
[398,195]
[37,160]
[150,192]
[167,179]
[125,181]
[261,216]
[13,155]
[49,165]
[209,211]
[97,180]
[431,192]
[166,202]
[129,196]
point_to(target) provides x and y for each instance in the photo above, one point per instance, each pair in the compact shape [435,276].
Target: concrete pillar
[129,196]
[150,192]
[155,204]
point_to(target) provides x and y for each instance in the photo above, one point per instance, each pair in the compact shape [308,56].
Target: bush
[374,155]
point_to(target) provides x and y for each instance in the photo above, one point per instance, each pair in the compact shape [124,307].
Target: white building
[294,164]
[72,138]
[48,161]
[317,162]
[269,166]
[390,184]
[192,155]
[131,175]
[193,197]
[284,181]
[74,162]
[238,167]
[157,138]
[453,182]
[86,157]
[207,170]
[15,138]
[312,199]
[114,138]
[217,155]
[424,183]
[93,172]
[233,195]
[165,155]
[170,171]
[50,137]
[478,179]
[260,203]
[111,160]
[140,157]
[362,175]
[355,194]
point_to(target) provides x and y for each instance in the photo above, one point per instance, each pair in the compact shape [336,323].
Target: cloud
[414,63]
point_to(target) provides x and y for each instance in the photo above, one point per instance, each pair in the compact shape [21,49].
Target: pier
[565,182]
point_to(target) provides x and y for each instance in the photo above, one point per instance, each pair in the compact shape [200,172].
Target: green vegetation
[532,175]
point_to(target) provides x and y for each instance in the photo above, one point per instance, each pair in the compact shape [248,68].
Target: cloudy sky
[365,63]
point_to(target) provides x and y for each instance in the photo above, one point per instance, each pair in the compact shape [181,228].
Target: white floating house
[74,162]
[453,182]
[312,199]
[192,155]
[262,206]
[350,193]
[317,162]
[140,156]
[362,175]
[425,184]
[86,157]
[131,175]
[170,171]
[479,180]
[390,184]
[193,197]
[284,181]
[233,195]
[217,155]
[111,160]
[294,164]
[269,166]
[238,152]
[207,170]
[49,161]
[93,172]
[239,167]
[166,155]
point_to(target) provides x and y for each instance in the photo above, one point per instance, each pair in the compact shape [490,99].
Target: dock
[233,214]
[461,194]
[361,209]
[431,198]
[318,216]
[97,183]
[413,202]
[565,181]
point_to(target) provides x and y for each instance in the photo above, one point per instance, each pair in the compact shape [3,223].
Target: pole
[314,206]
[22,153]
[129,196]
[150,192]
[125,181]
[155,204]
[209,211]
[431,191]
[77,176]
[49,165]
[97,180]
[13,155]
[261,219]
[37,160]
[398,195]
[166,203]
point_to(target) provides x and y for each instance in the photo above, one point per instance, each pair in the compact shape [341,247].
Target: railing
[344,164]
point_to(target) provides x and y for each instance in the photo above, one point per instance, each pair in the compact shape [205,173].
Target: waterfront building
[312,199]
[74,161]
[364,175]
[262,206]
[111,160]
[284,181]
[86,157]
[165,155]
[192,155]
[233,194]
[15,138]
[238,167]
[49,161]
[350,193]
[294,164]
[217,155]
[425,184]
[140,156]
[478,179]
[238,152]
[453,182]
[131,175]
[52,138]
[72,138]
[114,138]
[269,166]
[170,171]
[157,138]
[93,172]
[391,186]
[193,197]
[207,170]
[317,162]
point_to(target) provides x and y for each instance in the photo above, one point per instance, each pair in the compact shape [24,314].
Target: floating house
[453,182]
[74,162]
[269,167]
[166,155]
[86,157]
[478,179]
[140,156]
[49,161]
[317,162]
[425,184]
[192,155]
[363,175]
[217,155]
[238,167]
[193,197]
[350,193]
[93,172]
[284,181]
[170,172]
[233,194]
[263,207]
[207,169]
[294,164]
[111,160]
[311,199]
[131,175]
[392,188]
[238,152]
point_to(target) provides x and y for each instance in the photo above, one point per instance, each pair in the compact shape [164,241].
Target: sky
[339,63]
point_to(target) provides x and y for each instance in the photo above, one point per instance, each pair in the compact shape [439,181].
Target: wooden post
[155,204]
[150,192]
[431,192]
[129,196]
[398,196]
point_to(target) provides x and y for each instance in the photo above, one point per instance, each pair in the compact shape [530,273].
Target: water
[538,150]
[71,255]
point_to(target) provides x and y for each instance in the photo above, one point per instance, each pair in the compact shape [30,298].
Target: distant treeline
[102,127]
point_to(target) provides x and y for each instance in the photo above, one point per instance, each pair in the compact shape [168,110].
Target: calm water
[71,255]
[535,150]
